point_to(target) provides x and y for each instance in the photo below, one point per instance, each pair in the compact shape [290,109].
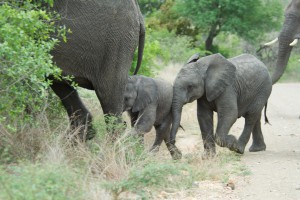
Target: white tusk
[294,42]
[272,42]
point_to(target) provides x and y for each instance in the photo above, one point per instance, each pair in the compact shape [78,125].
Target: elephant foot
[208,154]
[154,149]
[81,133]
[90,134]
[231,143]
[240,148]
[175,152]
[237,148]
[257,147]
[221,141]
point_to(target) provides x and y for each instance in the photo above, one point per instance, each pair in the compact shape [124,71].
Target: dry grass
[119,170]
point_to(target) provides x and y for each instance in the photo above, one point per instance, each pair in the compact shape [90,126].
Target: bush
[25,61]
[174,48]
[152,49]
[162,47]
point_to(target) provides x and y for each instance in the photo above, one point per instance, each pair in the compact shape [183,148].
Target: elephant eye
[189,87]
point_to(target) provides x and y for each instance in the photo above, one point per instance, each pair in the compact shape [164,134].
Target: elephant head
[140,91]
[207,78]
[288,37]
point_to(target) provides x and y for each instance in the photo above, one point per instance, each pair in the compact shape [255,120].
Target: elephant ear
[193,58]
[220,74]
[146,93]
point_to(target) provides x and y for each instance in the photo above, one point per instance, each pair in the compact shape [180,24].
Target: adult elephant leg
[110,95]
[258,143]
[250,121]
[205,120]
[78,114]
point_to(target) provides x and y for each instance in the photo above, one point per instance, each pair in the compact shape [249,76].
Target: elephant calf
[235,87]
[148,102]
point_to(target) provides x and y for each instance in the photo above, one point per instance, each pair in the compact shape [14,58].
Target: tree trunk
[210,39]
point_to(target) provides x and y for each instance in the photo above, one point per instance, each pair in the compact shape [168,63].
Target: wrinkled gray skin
[98,53]
[290,31]
[148,102]
[233,88]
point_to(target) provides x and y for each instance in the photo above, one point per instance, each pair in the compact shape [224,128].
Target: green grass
[39,181]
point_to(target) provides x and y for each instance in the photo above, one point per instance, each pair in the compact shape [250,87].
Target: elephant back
[252,77]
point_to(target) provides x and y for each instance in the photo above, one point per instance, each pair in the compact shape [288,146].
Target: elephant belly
[84,83]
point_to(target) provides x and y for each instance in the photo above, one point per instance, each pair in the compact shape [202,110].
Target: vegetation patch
[39,181]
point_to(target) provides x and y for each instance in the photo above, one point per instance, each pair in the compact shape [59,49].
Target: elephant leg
[205,120]
[144,123]
[133,118]
[146,120]
[160,131]
[162,134]
[258,143]
[225,122]
[111,101]
[78,114]
[250,121]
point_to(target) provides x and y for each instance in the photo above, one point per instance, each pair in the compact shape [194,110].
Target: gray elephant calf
[235,87]
[148,102]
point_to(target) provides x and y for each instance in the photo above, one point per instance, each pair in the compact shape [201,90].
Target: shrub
[25,61]
[151,50]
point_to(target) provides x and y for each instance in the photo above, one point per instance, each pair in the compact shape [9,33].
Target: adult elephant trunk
[286,37]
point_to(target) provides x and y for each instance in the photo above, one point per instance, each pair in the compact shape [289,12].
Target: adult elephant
[233,88]
[98,54]
[288,38]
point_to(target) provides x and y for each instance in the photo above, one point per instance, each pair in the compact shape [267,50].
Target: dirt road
[275,173]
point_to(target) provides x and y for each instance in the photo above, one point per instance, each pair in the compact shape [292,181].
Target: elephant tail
[140,47]
[265,113]
[181,127]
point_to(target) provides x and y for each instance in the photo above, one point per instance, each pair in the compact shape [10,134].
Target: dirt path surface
[275,173]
